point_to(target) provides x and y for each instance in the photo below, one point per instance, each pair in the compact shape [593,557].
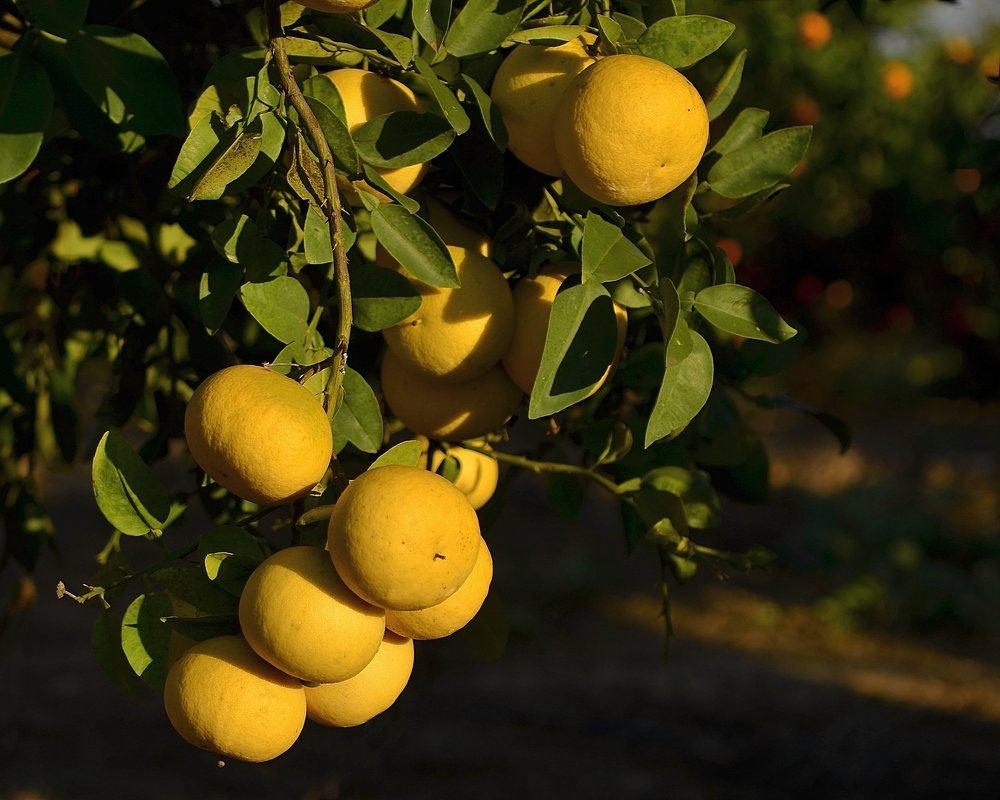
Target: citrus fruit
[897,80]
[222,697]
[629,129]
[336,6]
[459,333]
[258,434]
[452,613]
[533,299]
[959,49]
[477,473]
[352,702]
[453,411]
[297,614]
[526,88]
[402,537]
[813,29]
[365,96]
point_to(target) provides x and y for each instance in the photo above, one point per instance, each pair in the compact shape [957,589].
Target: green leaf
[281,306]
[548,35]
[359,419]
[683,393]
[190,584]
[241,146]
[676,332]
[231,539]
[488,111]
[443,97]
[381,297]
[242,242]
[318,243]
[702,507]
[607,254]
[272,138]
[430,19]
[128,79]
[106,643]
[760,164]
[219,283]
[403,138]
[146,638]
[481,26]
[127,493]
[631,27]
[342,146]
[683,41]
[481,165]
[400,47]
[415,245]
[63,17]
[229,555]
[742,311]
[724,91]
[26,101]
[202,628]
[579,347]
[748,125]
[405,453]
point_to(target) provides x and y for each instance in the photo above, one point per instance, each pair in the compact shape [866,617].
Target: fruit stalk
[340,275]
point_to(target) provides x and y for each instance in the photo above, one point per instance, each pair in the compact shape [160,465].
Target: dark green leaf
[229,163]
[403,138]
[752,202]
[684,391]
[724,91]
[430,19]
[106,643]
[229,555]
[374,178]
[748,125]
[26,101]
[415,245]
[202,628]
[443,97]
[481,165]
[342,146]
[683,41]
[607,254]
[760,164]
[128,494]
[146,638]
[405,453]
[742,311]
[489,113]
[676,332]
[128,79]
[632,28]
[190,584]
[318,242]
[400,47]
[62,17]
[381,297]
[242,242]
[481,26]
[219,284]
[548,35]
[359,419]
[579,347]
[281,306]
[610,33]
[702,507]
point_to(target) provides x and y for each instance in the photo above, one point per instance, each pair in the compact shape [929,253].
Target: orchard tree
[348,254]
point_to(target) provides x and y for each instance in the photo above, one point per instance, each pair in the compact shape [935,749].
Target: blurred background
[863,662]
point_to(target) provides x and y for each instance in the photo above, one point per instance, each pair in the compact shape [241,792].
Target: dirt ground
[751,702]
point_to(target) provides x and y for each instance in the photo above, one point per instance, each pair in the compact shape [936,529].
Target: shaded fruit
[478,473]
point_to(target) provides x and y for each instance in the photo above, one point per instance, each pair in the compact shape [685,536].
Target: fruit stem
[333,209]
[539,467]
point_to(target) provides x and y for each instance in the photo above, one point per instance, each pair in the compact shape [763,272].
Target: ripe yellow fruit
[298,614]
[365,96]
[452,411]
[457,334]
[533,299]
[451,614]
[813,29]
[369,693]
[478,473]
[258,434]
[222,697]
[897,80]
[402,537]
[336,6]
[527,88]
[629,129]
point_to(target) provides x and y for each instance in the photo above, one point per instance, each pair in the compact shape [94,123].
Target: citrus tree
[341,259]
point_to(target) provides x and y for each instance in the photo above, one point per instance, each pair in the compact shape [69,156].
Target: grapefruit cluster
[326,633]
[626,129]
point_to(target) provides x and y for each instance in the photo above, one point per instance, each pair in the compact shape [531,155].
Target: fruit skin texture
[258,434]
[813,29]
[527,87]
[451,411]
[355,701]
[629,129]
[451,614]
[224,698]
[457,334]
[365,96]
[478,473]
[533,298]
[298,614]
[402,537]
[336,6]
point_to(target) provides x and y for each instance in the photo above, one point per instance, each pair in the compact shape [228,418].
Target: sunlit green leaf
[281,306]
[381,297]
[26,101]
[359,418]
[607,254]
[481,26]
[702,506]
[404,453]
[742,311]
[146,638]
[548,35]
[415,245]
[128,494]
[403,138]
[748,126]
[683,41]
[684,391]
[760,164]
[242,242]
[725,89]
